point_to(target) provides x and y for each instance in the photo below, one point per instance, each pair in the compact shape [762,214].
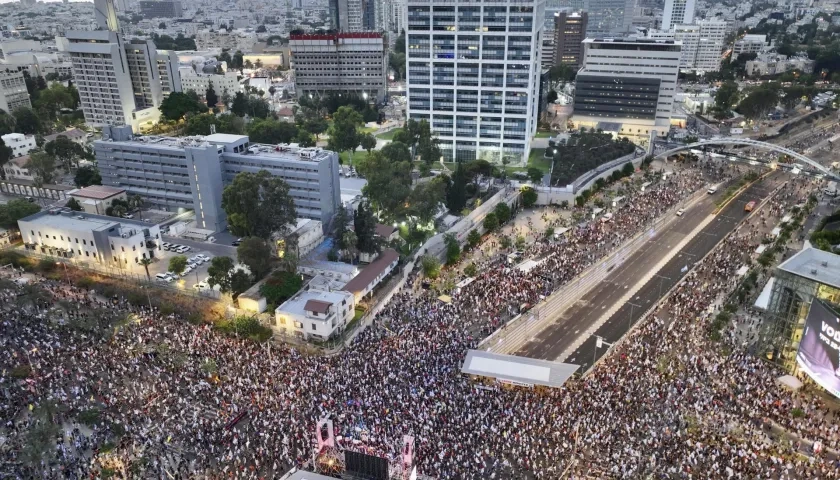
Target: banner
[819,350]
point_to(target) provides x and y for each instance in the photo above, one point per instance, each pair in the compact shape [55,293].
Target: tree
[471,270]
[343,133]
[145,262]
[726,96]
[304,139]
[453,250]
[502,211]
[316,126]
[368,142]
[210,96]
[258,205]
[430,266]
[456,199]
[491,222]
[179,104]
[225,123]
[66,151]
[240,281]
[365,226]
[54,98]
[218,273]
[256,254]
[388,184]
[239,107]
[529,197]
[535,174]
[340,222]
[350,242]
[473,238]
[7,123]
[758,103]
[42,167]
[136,202]
[87,175]
[178,264]
[428,149]
[272,131]
[551,97]
[27,122]
[16,209]
[396,152]
[628,169]
[261,29]
[424,200]
[74,205]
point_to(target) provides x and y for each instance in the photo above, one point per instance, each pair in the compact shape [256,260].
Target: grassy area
[389,135]
[543,134]
[537,160]
[358,155]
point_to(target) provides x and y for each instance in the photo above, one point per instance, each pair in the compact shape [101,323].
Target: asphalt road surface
[565,331]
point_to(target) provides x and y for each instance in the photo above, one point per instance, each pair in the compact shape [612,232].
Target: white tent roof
[520,370]
[763,300]
[761,248]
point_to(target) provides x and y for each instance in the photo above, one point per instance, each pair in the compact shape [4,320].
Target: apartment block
[627,86]
[13,93]
[198,82]
[19,143]
[609,17]
[702,44]
[569,34]
[473,74]
[161,8]
[749,44]
[189,173]
[353,63]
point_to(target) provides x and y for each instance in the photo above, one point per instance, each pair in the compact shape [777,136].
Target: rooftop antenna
[212,129]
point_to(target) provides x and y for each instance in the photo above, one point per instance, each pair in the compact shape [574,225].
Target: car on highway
[712,190]
[749,207]
[680,212]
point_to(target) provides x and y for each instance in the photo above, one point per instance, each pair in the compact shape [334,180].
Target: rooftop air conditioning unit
[813,271]
[824,264]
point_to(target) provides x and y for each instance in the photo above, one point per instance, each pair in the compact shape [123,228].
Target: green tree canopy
[210,96]
[425,199]
[87,175]
[258,205]
[396,152]
[272,131]
[74,205]
[42,167]
[388,184]
[16,209]
[456,200]
[364,225]
[178,264]
[344,135]
[27,122]
[225,123]
[256,254]
[66,151]
[179,104]
[219,273]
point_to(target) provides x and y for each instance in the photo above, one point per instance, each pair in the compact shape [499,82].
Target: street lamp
[599,342]
[630,320]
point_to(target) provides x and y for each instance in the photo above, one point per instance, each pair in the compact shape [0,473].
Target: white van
[712,190]
[162,277]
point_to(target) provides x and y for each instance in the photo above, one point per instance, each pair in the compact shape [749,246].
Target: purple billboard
[819,350]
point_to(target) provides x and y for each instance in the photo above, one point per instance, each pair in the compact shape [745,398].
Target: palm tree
[136,201]
[146,262]
[350,241]
[118,210]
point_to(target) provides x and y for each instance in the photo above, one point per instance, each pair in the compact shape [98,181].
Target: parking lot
[187,280]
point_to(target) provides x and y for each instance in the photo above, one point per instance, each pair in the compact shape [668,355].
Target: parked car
[186,271]
[162,277]
[206,258]
[201,286]
[236,242]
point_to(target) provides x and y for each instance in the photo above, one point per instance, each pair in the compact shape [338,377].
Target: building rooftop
[20,161]
[814,264]
[65,219]
[517,370]
[224,138]
[72,134]
[383,230]
[97,192]
[334,36]
[317,301]
[366,276]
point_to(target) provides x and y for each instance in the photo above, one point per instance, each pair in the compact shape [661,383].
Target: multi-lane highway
[564,338]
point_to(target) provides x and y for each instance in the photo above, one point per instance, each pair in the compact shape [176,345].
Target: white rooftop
[296,304]
[814,264]
[512,368]
[224,138]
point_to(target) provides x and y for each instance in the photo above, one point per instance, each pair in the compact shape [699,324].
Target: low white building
[16,169]
[338,271]
[775,64]
[315,314]
[364,283]
[90,238]
[96,199]
[306,234]
[198,82]
[19,143]
[749,44]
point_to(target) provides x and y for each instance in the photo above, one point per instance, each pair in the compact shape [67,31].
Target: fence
[515,333]
[583,180]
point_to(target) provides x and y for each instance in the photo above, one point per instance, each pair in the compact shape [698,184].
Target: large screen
[819,350]
[366,466]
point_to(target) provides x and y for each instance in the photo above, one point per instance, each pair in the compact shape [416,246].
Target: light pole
[599,342]
[630,320]
[661,281]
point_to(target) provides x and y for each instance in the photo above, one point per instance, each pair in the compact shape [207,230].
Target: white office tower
[678,12]
[627,86]
[609,17]
[701,44]
[473,74]
[119,83]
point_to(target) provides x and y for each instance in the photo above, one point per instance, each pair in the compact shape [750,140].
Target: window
[84,242]
[87,254]
[313,326]
[77,240]
[33,233]
[298,325]
[62,238]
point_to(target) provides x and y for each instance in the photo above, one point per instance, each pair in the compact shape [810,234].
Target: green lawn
[537,160]
[357,157]
[389,135]
[543,134]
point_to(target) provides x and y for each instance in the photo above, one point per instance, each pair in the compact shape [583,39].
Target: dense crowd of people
[175,400]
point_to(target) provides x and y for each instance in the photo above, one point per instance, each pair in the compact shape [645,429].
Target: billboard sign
[819,350]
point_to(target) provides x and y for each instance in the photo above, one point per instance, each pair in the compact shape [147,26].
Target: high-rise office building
[702,44]
[161,8]
[569,33]
[173,174]
[678,12]
[627,86]
[609,17]
[13,92]
[473,74]
[119,83]
[353,63]
[338,15]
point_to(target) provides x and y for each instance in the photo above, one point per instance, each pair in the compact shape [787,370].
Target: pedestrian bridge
[747,142]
